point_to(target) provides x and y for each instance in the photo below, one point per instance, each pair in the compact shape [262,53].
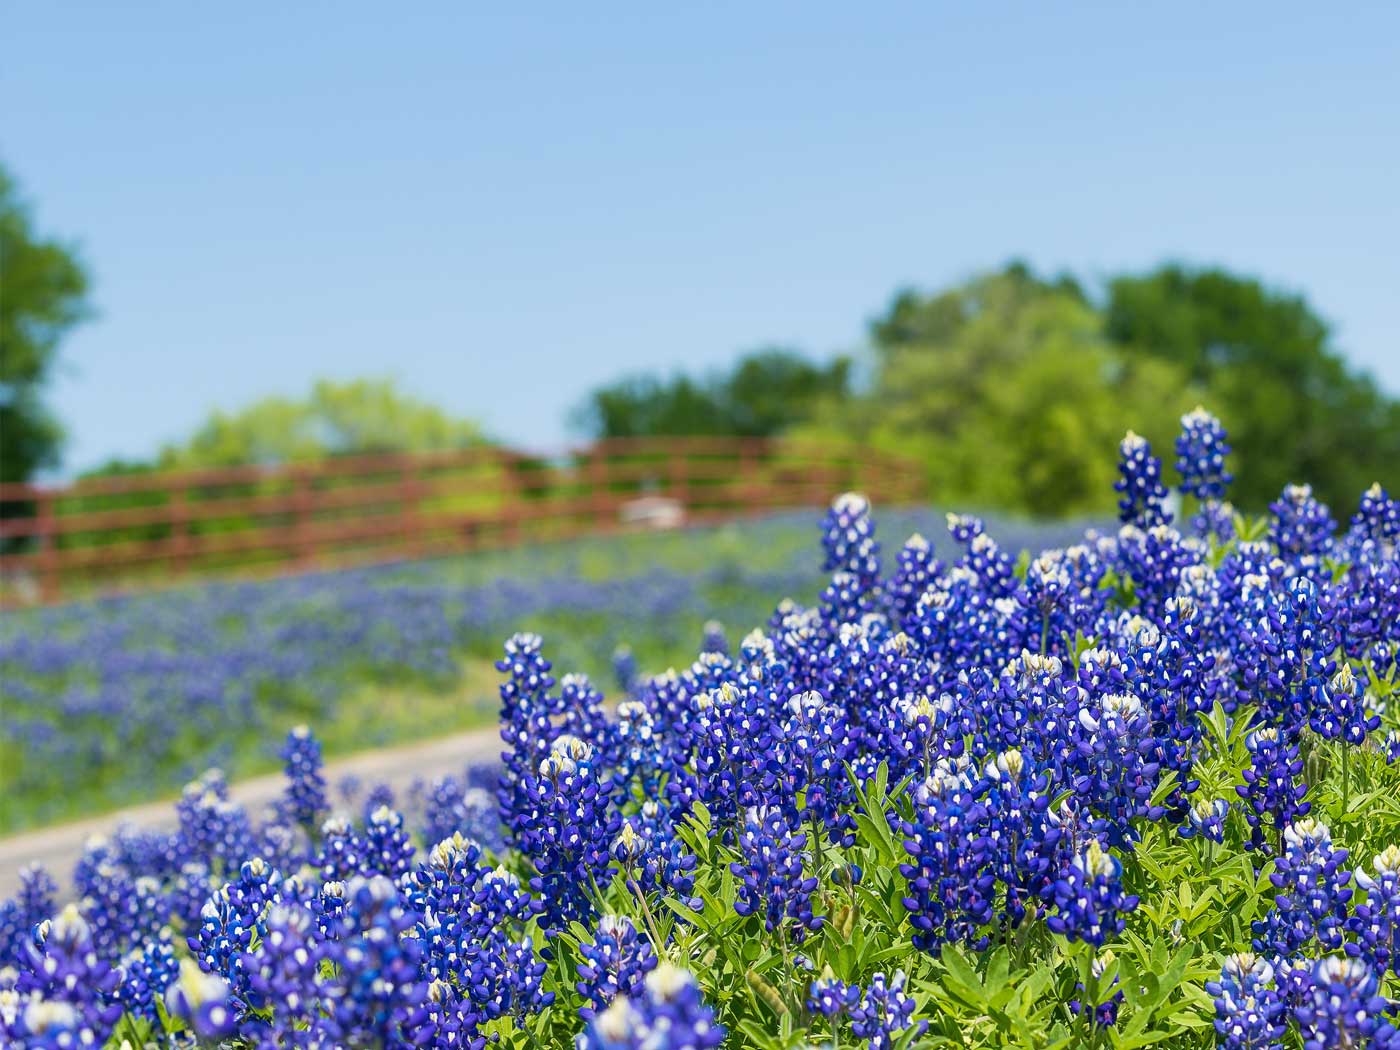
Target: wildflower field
[125,699]
[1139,790]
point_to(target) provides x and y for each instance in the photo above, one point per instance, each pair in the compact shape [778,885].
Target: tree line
[1012,388]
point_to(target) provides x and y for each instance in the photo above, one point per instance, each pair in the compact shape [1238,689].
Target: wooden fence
[151,527]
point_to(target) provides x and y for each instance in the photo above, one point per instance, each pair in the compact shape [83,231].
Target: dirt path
[58,847]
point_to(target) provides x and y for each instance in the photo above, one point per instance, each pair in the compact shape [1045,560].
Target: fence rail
[388,507]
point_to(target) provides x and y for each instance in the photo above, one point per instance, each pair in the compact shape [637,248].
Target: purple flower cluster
[1142,495]
[668,1014]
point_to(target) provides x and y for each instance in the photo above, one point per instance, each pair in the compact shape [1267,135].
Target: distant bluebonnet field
[143,692]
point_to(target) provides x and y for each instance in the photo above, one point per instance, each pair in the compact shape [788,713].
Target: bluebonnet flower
[1114,765]
[388,847]
[1155,560]
[123,911]
[202,1000]
[848,538]
[14,932]
[1344,1008]
[343,852]
[534,720]
[917,568]
[1206,818]
[830,997]
[451,1020]
[624,668]
[1249,1009]
[1376,922]
[1313,893]
[653,860]
[919,733]
[37,891]
[670,1015]
[1200,456]
[146,973]
[813,745]
[450,807]
[1272,787]
[282,976]
[63,967]
[614,963]
[1104,1013]
[569,828]
[305,796]
[991,568]
[713,639]
[48,1024]
[1142,495]
[1364,607]
[1215,520]
[19,915]
[213,828]
[1301,526]
[191,888]
[1375,527]
[1016,813]
[379,796]
[774,883]
[884,1012]
[951,889]
[1089,899]
[378,986]
[1339,709]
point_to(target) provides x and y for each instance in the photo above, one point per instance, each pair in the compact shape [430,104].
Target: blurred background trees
[43,294]
[1014,389]
[1008,390]
[359,417]
[1294,409]
[764,393]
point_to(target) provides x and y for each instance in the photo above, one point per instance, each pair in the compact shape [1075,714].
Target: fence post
[180,529]
[303,505]
[512,501]
[750,489]
[680,488]
[49,584]
[409,497]
[600,498]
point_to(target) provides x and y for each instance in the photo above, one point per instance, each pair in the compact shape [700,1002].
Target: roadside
[58,847]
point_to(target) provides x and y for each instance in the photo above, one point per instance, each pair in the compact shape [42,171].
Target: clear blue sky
[504,209]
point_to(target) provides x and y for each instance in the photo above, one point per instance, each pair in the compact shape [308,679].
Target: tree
[766,392]
[43,290]
[1294,410]
[1008,392]
[362,416]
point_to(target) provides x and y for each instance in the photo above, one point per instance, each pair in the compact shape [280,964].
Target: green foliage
[43,290]
[1293,408]
[360,416]
[1006,385]
[1006,389]
[765,392]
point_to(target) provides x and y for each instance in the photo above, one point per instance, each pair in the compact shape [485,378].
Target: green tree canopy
[1008,391]
[361,416]
[764,393]
[1294,410]
[43,290]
